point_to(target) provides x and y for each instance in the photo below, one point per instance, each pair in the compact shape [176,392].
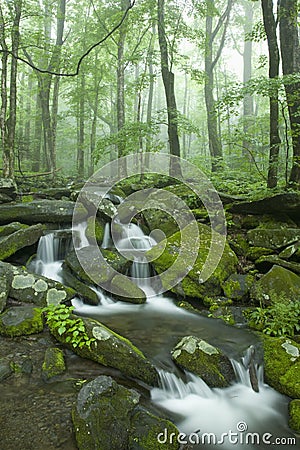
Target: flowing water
[231,417]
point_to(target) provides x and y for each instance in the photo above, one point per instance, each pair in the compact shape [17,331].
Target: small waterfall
[107,240]
[215,411]
[51,251]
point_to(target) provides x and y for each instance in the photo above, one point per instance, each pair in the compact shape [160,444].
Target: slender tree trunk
[81,114]
[37,140]
[270,27]
[169,86]
[27,133]
[290,54]
[247,73]
[3,111]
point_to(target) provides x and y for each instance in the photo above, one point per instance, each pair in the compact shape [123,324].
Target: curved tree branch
[74,74]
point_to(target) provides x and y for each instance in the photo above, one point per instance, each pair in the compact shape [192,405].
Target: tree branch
[74,74]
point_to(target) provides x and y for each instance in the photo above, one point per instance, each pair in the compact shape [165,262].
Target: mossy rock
[186,194]
[157,219]
[146,429]
[21,320]
[24,237]
[255,253]
[294,413]
[54,363]
[274,238]
[5,282]
[206,361]
[110,349]
[277,282]
[237,286]
[102,413]
[81,288]
[191,285]
[282,365]
[239,244]
[6,230]
[125,290]
[264,263]
[291,251]
[95,229]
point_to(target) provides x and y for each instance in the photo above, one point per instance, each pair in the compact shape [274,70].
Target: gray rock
[102,414]
[237,286]
[274,238]
[112,350]
[288,203]
[8,187]
[49,211]
[206,361]
[21,320]
[25,237]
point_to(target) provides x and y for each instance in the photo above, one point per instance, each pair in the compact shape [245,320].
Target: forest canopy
[214,82]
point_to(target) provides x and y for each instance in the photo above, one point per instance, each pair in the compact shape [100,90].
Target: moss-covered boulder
[191,285]
[54,363]
[288,203]
[282,365]
[237,286]
[44,211]
[206,361]
[254,253]
[83,290]
[291,251]
[273,238]
[28,287]
[8,188]
[148,432]
[24,237]
[5,282]
[21,320]
[95,269]
[102,414]
[160,220]
[125,290]
[95,229]
[6,230]
[294,413]
[264,263]
[277,282]
[110,349]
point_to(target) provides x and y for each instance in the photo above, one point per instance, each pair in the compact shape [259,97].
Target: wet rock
[110,349]
[82,289]
[28,287]
[95,269]
[237,286]
[273,238]
[294,413]
[191,285]
[205,360]
[146,429]
[24,237]
[264,263]
[288,203]
[95,229]
[8,188]
[5,369]
[125,290]
[282,365]
[54,363]
[21,320]
[36,211]
[102,414]
[277,282]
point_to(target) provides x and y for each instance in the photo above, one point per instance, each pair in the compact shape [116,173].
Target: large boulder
[82,289]
[125,290]
[24,237]
[282,365]
[205,360]
[110,349]
[21,320]
[8,190]
[288,203]
[36,211]
[264,263]
[275,283]
[107,415]
[273,238]
[28,287]
[191,286]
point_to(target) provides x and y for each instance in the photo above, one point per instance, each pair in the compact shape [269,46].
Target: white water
[193,405]
[107,241]
[47,261]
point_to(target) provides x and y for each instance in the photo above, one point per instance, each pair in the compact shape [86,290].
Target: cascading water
[107,241]
[156,327]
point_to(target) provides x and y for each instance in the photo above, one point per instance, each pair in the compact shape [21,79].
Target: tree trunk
[3,112]
[168,81]
[270,27]
[38,128]
[80,142]
[290,54]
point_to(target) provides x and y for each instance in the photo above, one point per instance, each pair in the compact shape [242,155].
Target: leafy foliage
[60,317]
[282,318]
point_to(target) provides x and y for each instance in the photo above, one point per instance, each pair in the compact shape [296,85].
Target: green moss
[54,363]
[95,229]
[294,412]
[22,320]
[282,365]
[255,253]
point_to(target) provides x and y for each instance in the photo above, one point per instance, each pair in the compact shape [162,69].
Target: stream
[231,417]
